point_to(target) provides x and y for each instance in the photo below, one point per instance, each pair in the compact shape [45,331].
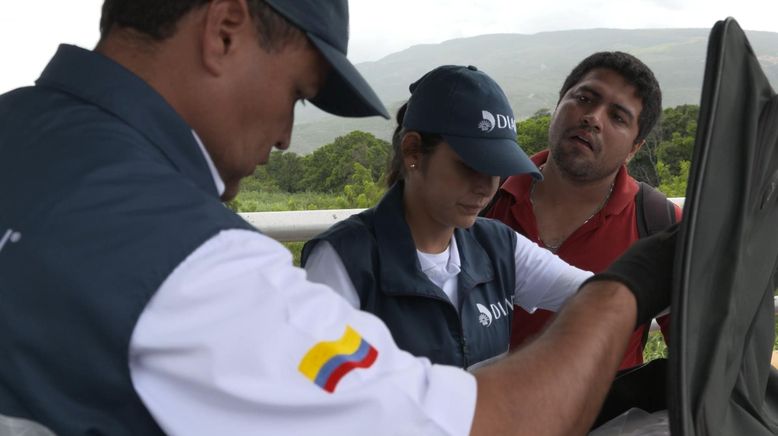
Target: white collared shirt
[217,179]
[442,269]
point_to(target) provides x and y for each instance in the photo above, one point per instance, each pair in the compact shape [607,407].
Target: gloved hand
[646,268]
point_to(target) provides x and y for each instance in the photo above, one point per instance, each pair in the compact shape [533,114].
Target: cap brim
[500,157]
[345,93]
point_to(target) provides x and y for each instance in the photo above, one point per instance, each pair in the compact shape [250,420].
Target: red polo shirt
[592,247]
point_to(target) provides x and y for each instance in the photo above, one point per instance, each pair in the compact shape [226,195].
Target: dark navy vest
[103,192]
[380,257]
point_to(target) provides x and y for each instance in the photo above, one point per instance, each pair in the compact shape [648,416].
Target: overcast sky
[31,30]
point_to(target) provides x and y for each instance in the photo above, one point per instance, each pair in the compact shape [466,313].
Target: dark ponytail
[396,170]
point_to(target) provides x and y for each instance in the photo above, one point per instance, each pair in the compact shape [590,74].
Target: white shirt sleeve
[325,266]
[225,347]
[543,280]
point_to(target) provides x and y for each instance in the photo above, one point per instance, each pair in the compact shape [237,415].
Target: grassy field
[256,201]
[295,248]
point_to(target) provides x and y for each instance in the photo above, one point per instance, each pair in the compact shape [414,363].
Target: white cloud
[379,28]
[30,32]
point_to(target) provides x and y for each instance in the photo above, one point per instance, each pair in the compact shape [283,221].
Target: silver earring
[413,165]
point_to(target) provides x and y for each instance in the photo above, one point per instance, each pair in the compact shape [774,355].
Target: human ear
[635,148]
[226,24]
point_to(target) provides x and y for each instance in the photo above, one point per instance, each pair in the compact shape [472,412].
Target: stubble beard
[575,167]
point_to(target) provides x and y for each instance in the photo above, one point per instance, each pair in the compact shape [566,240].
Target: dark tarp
[722,311]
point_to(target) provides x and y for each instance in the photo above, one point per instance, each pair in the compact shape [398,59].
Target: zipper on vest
[463,342]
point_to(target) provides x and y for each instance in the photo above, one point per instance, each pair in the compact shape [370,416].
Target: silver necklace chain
[555,247]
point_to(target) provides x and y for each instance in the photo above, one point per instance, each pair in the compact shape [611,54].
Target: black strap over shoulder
[654,211]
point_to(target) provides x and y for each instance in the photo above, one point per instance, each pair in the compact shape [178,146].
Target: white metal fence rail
[301,225]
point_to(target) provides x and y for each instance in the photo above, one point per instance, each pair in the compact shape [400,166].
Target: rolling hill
[530,68]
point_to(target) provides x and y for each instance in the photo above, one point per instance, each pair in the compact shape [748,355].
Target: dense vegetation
[348,173]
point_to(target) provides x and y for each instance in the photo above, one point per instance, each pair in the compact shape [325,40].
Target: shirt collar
[453,265]
[217,179]
[99,80]
[398,252]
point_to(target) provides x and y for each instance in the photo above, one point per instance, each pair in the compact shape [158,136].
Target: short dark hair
[635,72]
[429,141]
[157,19]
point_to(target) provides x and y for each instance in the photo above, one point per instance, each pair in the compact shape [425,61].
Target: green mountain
[531,68]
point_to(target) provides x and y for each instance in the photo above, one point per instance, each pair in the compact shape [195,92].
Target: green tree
[533,132]
[363,191]
[681,119]
[286,169]
[673,184]
[331,167]
[676,150]
[261,180]
[671,142]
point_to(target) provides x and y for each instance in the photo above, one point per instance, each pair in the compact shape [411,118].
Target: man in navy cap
[133,302]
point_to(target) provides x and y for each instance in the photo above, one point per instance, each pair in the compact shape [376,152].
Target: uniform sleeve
[543,280]
[236,341]
[325,266]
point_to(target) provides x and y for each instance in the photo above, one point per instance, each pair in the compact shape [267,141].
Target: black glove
[646,268]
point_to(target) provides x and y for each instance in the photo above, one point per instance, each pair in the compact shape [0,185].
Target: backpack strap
[654,213]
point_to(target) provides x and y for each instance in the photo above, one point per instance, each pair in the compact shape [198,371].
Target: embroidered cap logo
[488,122]
[499,121]
[9,236]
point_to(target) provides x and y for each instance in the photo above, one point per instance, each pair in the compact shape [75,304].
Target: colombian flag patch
[327,362]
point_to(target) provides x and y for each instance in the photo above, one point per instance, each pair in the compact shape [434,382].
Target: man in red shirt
[584,209]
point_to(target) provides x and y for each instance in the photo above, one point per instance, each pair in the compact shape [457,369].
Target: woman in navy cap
[443,279]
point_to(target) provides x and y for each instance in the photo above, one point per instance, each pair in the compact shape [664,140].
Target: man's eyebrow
[590,90]
[597,95]
[624,109]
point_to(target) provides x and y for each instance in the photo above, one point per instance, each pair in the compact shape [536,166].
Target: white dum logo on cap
[488,123]
[501,121]
[9,236]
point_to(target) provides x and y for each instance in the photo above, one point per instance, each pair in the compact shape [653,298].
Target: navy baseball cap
[471,112]
[325,23]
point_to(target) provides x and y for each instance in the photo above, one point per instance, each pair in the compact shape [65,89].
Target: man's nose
[593,118]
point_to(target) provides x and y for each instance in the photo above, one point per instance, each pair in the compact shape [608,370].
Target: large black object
[721,381]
